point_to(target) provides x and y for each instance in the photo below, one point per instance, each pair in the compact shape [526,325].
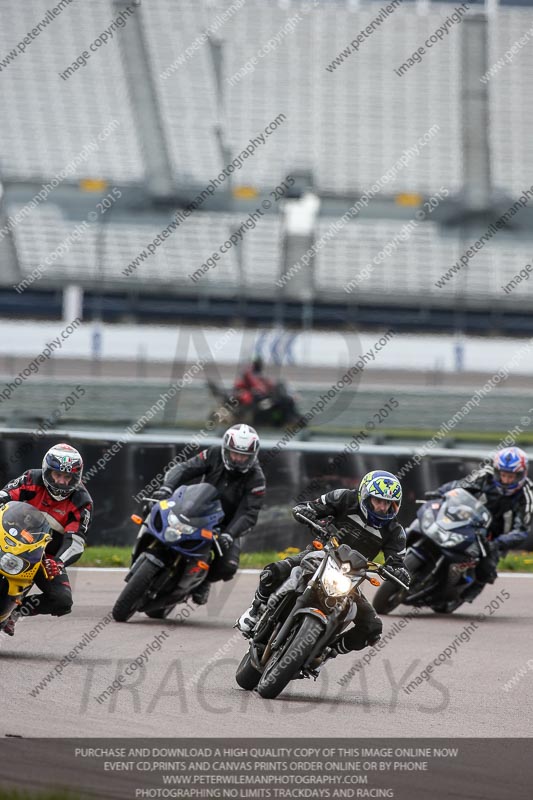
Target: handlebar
[390,577]
[372,566]
[312,523]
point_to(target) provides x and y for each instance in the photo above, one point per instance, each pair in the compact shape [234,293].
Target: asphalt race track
[186,686]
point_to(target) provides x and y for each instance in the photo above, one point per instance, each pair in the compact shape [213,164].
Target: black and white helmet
[62,470]
[240,447]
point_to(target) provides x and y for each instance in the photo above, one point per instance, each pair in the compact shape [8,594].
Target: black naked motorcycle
[444,546]
[304,616]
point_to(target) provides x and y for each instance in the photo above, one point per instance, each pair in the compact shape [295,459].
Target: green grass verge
[520,561]
[120,557]
[105,556]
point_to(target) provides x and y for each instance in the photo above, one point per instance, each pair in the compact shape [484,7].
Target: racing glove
[162,493]
[400,573]
[52,567]
[511,539]
[225,541]
[304,511]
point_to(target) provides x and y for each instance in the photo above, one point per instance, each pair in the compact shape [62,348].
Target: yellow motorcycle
[24,534]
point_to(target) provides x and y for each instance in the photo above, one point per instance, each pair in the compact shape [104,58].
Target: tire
[247,676]
[389,595]
[159,613]
[133,593]
[387,598]
[447,608]
[276,677]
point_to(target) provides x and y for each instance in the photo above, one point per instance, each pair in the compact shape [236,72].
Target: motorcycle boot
[247,621]
[9,624]
[201,593]
[318,662]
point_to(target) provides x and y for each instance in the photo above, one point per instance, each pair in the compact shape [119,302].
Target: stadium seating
[510,100]
[348,125]
[253,266]
[187,96]
[47,121]
[93,257]
[417,264]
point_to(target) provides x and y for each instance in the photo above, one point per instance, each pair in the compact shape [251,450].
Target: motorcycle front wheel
[247,676]
[288,660]
[160,613]
[132,596]
[389,595]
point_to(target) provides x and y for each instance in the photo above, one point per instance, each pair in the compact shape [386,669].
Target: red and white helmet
[240,447]
[62,470]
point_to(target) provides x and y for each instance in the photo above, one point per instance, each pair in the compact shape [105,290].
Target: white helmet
[62,470]
[240,447]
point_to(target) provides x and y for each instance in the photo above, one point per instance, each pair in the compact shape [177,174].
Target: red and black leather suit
[69,520]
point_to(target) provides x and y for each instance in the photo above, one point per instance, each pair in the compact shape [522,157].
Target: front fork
[332,626]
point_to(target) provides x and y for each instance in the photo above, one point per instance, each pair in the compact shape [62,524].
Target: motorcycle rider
[233,469]
[507,492]
[57,491]
[367,521]
[253,386]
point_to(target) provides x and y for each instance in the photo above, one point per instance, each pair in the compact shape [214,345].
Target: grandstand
[510,104]
[47,121]
[351,259]
[160,98]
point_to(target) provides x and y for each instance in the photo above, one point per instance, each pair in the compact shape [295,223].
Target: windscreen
[199,503]
[461,508]
[24,522]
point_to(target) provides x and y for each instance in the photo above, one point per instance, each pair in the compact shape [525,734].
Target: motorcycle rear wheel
[132,596]
[276,677]
[247,676]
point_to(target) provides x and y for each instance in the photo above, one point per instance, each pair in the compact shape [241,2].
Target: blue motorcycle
[444,545]
[174,550]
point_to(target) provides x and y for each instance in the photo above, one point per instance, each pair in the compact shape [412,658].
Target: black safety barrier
[293,474]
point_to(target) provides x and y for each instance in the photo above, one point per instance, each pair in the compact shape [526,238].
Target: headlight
[334,581]
[452,540]
[427,518]
[11,564]
[172,534]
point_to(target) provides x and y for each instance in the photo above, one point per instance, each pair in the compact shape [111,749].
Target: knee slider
[60,609]
[375,629]
[274,574]
[229,570]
